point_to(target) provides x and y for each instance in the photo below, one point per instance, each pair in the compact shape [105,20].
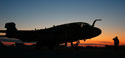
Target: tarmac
[62,52]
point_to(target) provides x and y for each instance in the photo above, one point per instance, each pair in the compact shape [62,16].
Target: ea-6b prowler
[55,35]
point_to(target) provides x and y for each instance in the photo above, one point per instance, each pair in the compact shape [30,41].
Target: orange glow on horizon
[11,43]
[29,43]
[8,43]
[2,33]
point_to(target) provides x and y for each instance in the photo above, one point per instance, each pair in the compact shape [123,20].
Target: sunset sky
[31,14]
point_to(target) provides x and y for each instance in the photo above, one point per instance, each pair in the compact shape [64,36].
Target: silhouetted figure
[116,42]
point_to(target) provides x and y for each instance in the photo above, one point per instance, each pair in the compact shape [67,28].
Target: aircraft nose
[91,32]
[97,31]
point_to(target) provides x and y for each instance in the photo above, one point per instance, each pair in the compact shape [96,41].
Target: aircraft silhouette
[55,35]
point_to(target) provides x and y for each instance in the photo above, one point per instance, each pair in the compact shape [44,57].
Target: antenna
[95,21]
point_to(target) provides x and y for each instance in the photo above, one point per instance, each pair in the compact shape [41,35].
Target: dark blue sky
[31,14]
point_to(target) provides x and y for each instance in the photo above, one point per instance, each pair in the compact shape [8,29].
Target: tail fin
[11,29]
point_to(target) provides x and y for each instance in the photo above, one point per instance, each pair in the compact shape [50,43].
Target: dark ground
[62,52]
